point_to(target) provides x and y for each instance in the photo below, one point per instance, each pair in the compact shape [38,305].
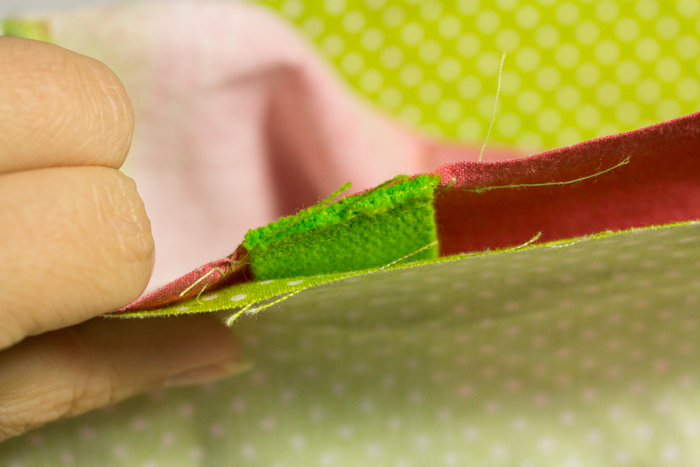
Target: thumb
[73,370]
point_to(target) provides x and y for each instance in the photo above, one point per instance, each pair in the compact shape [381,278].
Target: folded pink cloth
[239,121]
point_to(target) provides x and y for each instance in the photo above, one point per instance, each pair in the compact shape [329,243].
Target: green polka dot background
[574,70]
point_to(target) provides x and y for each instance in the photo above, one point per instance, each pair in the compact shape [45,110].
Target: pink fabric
[239,121]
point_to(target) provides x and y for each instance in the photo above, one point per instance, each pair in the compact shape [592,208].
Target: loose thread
[529,242]
[248,310]
[495,106]
[566,182]
[429,245]
[223,274]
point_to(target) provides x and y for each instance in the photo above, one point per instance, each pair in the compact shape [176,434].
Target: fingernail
[209,373]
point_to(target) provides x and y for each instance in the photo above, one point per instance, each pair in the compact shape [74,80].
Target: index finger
[59,108]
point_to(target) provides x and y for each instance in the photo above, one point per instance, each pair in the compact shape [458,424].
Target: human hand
[75,243]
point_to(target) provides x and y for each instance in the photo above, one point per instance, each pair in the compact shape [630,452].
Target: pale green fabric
[580,354]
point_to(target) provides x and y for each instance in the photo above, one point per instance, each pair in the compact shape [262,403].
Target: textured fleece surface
[358,232]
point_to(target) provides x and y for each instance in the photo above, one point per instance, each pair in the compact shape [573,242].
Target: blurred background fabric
[574,70]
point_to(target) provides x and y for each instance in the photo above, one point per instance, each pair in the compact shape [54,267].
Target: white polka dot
[429,92]
[411,114]
[529,101]
[352,63]
[372,39]
[548,78]
[668,109]
[487,21]
[688,8]
[667,27]
[647,49]
[648,91]
[628,113]
[210,297]
[393,16]
[687,47]
[353,22]
[430,10]
[248,451]
[567,55]
[293,8]
[333,44]
[412,33]
[138,424]
[668,69]
[468,45]
[469,129]
[449,111]
[411,75]
[430,51]
[529,141]
[587,74]
[547,36]
[488,64]
[626,29]
[627,71]
[608,94]
[390,97]
[375,4]
[238,297]
[587,32]
[468,7]
[567,13]
[313,26]
[449,27]
[688,89]
[607,10]
[507,40]
[182,308]
[527,59]
[508,125]
[334,7]
[646,9]
[391,57]
[119,451]
[371,80]
[607,52]
[588,116]
[568,97]
[549,120]
[449,69]
[527,16]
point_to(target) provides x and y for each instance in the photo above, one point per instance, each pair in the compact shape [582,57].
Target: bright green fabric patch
[358,232]
[30,29]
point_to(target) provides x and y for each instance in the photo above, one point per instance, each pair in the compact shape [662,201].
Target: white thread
[495,106]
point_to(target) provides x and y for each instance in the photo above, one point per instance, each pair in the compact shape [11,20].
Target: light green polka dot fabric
[571,354]
[573,71]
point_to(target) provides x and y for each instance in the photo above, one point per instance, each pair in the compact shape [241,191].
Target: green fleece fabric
[363,231]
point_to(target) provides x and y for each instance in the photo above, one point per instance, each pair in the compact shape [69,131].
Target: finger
[59,108]
[75,242]
[77,369]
